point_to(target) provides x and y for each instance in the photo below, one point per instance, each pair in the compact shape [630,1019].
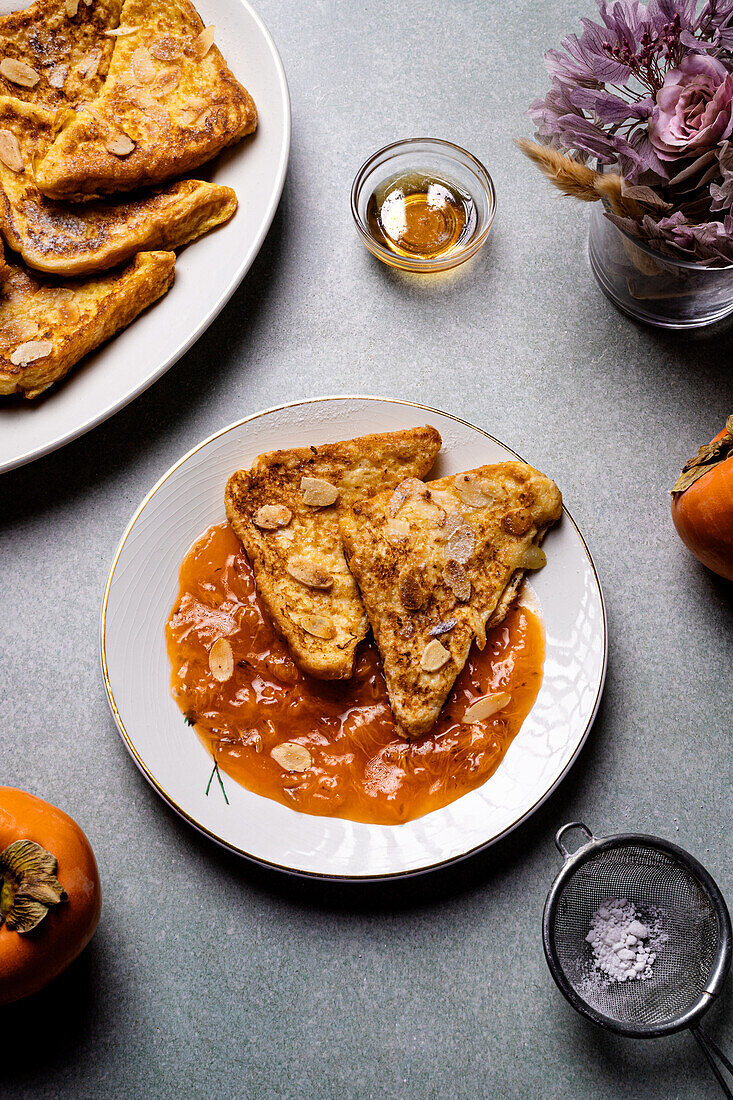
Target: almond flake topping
[292,757]
[479,629]
[434,656]
[120,146]
[89,64]
[442,628]
[166,82]
[17,72]
[317,492]
[204,42]
[410,487]
[470,492]
[72,7]
[456,577]
[319,626]
[310,573]
[396,531]
[30,351]
[57,76]
[272,516]
[121,32]
[462,544]
[486,705]
[534,557]
[142,65]
[10,151]
[221,660]
[412,593]
[166,48]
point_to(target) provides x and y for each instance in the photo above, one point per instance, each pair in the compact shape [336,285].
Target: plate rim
[245,264]
[228,845]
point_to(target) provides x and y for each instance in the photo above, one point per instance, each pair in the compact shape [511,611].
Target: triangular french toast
[435,565]
[73,240]
[169,104]
[285,513]
[47,326]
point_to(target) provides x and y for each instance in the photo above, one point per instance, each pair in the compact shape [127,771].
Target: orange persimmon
[50,897]
[702,503]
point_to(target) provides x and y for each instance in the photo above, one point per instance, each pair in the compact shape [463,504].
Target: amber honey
[421,216]
[361,768]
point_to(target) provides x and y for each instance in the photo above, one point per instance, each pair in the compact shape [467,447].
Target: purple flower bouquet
[640,115]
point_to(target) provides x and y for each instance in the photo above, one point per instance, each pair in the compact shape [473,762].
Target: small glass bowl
[428,156]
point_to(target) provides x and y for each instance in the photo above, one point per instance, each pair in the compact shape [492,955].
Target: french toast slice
[47,326]
[285,512]
[438,563]
[169,104]
[62,239]
[57,52]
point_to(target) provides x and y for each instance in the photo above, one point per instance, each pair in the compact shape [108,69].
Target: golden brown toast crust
[74,317]
[400,547]
[179,109]
[356,468]
[62,239]
[71,54]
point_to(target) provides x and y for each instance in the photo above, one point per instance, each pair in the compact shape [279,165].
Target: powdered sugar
[623,945]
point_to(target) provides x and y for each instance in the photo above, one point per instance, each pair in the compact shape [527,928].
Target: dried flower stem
[578,180]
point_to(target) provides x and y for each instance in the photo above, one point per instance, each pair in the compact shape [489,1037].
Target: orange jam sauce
[361,768]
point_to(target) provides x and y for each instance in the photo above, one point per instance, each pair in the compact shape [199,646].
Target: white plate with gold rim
[207,272]
[142,587]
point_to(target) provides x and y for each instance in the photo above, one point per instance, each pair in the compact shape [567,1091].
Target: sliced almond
[310,573]
[412,592]
[17,72]
[10,153]
[470,492]
[88,67]
[120,146]
[292,757]
[30,352]
[462,544]
[204,42]
[434,656]
[142,65]
[442,628]
[71,7]
[396,532]
[121,32]
[410,487]
[166,82]
[456,577]
[272,516]
[221,660]
[166,48]
[57,76]
[479,629]
[486,705]
[319,626]
[317,492]
[534,557]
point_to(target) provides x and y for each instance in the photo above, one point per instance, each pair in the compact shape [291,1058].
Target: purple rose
[694,110]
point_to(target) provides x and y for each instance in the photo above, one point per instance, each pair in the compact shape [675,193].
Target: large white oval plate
[142,587]
[207,272]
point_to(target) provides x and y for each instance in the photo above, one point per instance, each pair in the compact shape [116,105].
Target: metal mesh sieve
[659,887]
[670,890]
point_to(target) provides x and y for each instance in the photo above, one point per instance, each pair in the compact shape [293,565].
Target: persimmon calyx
[28,885]
[708,456]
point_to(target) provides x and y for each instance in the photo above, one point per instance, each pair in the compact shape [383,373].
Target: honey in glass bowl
[418,215]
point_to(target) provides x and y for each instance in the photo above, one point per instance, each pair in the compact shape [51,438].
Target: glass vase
[654,288]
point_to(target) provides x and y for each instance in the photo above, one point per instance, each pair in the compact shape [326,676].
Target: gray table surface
[208,978]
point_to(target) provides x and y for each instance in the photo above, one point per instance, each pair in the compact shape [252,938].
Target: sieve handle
[712,1052]
[565,852]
